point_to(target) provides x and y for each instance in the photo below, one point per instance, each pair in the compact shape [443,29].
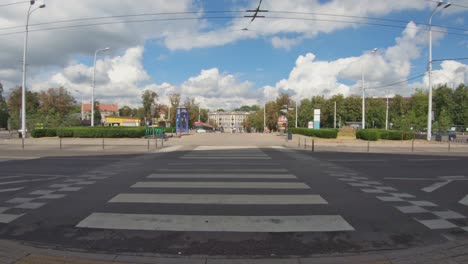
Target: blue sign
[182,120]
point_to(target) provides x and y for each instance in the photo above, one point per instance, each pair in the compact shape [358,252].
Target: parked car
[452,135]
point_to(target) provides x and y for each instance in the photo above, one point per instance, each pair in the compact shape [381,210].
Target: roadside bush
[368,134]
[376,134]
[44,132]
[320,133]
[92,132]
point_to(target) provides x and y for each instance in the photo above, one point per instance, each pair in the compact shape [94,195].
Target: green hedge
[44,132]
[91,132]
[376,134]
[320,133]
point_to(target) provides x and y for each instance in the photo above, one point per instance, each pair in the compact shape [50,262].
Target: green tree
[419,107]
[175,103]
[375,116]
[460,110]
[126,111]
[353,109]
[398,107]
[305,113]
[14,108]
[148,98]
[444,106]
[97,114]
[55,106]
[3,110]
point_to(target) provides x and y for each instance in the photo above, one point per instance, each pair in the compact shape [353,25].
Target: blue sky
[222,66]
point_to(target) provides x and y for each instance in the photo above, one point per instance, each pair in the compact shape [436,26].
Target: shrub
[376,134]
[96,132]
[44,132]
[320,133]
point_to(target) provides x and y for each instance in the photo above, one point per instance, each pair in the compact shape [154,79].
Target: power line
[404,81]
[14,3]
[224,17]
[118,22]
[121,16]
[363,17]
[434,1]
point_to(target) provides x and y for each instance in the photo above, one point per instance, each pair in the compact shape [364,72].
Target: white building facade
[230,122]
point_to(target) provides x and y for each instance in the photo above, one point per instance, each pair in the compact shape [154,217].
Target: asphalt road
[235,202]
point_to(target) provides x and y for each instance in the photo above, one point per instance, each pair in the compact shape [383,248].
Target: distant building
[230,121]
[105,110]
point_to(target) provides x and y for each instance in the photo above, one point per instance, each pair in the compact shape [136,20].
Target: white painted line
[464,201]
[52,196]
[222,176]
[431,159]
[22,181]
[42,192]
[7,218]
[225,170]
[390,199]
[223,147]
[435,186]
[30,205]
[356,160]
[449,215]
[10,190]
[243,163]
[437,224]
[227,158]
[69,189]
[423,203]
[169,149]
[223,185]
[217,199]
[372,191]
[411,209]
[3,209]
[402,195]
[19,200]
[202,223]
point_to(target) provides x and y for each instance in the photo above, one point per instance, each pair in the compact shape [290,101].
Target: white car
[201,130]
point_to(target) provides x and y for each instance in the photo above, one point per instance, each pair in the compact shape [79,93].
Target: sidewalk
[418,147]
[450,252]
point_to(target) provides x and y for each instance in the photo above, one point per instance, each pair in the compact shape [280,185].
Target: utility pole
[334,118]
[386,114]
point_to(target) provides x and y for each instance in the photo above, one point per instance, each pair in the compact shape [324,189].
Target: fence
[410,146]
[125,145]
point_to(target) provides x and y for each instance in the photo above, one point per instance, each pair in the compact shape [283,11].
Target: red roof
[102,108]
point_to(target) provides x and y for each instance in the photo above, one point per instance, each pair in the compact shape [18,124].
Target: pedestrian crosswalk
[254,198]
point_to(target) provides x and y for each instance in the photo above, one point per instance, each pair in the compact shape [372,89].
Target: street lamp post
[296,113]
[429,110]
[94,84]
[363,93]
[386,112]
[25,57]
[264,118]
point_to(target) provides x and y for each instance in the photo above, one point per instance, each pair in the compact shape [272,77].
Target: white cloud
[285,43]
[311,77]
[120,79]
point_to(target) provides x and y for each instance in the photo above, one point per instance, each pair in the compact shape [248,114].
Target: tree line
[450,108]
[56,107]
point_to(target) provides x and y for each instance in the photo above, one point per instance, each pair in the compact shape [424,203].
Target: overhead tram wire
[363,17]
[123,16]
[221,17]
[399,82]
[453,4]
[13,3]
[418,76]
